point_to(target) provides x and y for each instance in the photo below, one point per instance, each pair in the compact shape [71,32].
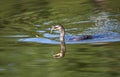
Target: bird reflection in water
[62,39]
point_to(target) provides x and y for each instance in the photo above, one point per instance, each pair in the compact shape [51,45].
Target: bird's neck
[62,34]
[62,40]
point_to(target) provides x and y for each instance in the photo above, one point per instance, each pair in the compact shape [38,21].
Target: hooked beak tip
[51,30]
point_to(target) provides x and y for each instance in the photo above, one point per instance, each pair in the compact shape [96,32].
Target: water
[27,46]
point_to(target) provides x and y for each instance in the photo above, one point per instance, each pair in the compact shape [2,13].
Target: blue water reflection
[112,37]
[103,30]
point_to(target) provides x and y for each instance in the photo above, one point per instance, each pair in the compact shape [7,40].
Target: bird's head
[57,27]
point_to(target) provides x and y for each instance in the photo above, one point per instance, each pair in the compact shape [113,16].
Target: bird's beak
[52,29]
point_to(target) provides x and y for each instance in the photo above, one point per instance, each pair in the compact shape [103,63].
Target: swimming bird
[62,39]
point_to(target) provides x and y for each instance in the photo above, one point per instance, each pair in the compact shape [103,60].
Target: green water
[27,46]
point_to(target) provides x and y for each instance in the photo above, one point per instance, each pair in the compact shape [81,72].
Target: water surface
[27,46]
